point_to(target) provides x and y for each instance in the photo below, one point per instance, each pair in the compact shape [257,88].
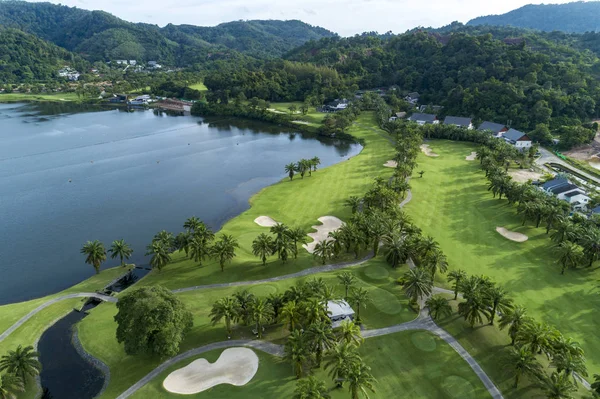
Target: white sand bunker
[329,224]
[512,235]
[391,164]
[235,366]
[427,151]
[265,221]
[471,157]
[524,175]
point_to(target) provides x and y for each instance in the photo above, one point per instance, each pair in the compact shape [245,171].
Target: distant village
[73,75]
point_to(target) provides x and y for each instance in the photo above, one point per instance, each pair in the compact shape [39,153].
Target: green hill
[575,17]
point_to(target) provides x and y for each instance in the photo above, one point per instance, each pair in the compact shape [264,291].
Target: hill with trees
[575,17]
[98,35]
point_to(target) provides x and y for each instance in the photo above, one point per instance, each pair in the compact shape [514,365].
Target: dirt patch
[524,175]
[471,157]
[265,221]
[512,235]
[391,164]
[329,224]
[427,151]
[235,366]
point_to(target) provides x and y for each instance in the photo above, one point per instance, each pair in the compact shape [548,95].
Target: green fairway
[412,364]
[18,97]
[296,203]
[452,204]
[312,118]
[199,86]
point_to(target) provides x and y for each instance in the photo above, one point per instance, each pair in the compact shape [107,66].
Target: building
[132,62]
[423,119]
[517,139]
[335,106]
[434,108]
[339,311]
[564,190]
[458,121]
[496,129]
[552,184]
[413,98]
[121,62]
[577,198]
[398,115]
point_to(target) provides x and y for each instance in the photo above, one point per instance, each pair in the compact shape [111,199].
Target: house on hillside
[413,98]
[423,119]
[339,311]
[132,62]
[434,108]
[564,190]
[517,139]
[577,198]
[335,106]
[459,121]
[496,129]
[398,115]
[121,62]
[554,183]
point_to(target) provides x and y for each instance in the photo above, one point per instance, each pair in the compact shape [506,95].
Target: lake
[70,173]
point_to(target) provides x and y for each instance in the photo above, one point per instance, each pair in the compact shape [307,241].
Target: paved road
[549,157]
[52,302]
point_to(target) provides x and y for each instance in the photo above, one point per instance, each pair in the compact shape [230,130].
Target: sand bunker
[471,157]
[511,235]
[235,366]
[524,175]
[265,221]
[427,151]
[391,164]
[329,224]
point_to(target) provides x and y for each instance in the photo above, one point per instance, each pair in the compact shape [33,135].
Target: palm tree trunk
[517,380]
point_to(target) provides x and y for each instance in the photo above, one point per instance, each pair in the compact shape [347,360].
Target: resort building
[338,312]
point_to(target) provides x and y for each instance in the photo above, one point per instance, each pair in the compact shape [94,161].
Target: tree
[436,261]
[349,332]
[224,249]
[458,276]
[474,308]
[281,237]
[340,358]
[537,337]
[290,315]
[346,279]
[298,236]
[421,173]
[315,161]
[498,298]
[521,361]
[311,388]
[182,242]
[197,249]
[304,108]
[394,249]
[297,352]
[557,386]
[514,319]
[290,169]
[10,384]
[324,250]
[359,297]
[570,255]
[353,203]
[320,338]
[438,307]
[596,384]
[263,246]
[225,308]
[314,311]
[95,254]
[21,362]
[165,238]
[160,257]
[417,284]
[293,109]
[192,224]
[152,320]
[261,313]
[121,249]
[359,380]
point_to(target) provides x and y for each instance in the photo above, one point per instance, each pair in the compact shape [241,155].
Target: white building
[517,139]
[423,119]
[132,62]
[339,311]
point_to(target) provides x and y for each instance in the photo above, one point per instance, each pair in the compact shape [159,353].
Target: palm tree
[320,338]
[347,279]
[197,249]
[324,250]
[315,161]
[290,315]
[438,307]
[537,337]
[348,332]
[10,384]
[473,309]
[192,224]
[225,308]
[570,255]
[95,254]
[596,384]
[353,203]
[277,301]
[591,245]
[395,250]
[311,388]
[359,380]
[166,238]
[224,249]
[22,362]
[337,238]
[417,284]
[281,236]
[182,242]
[203,232]
[244,300]
[263,246]
[514,319]
[297,352]
[565,230]
[521,361]
[314,311]
[298,236]
[557,386]
[359,297]
[121,249]
[436,261]
[498,298]
[160,257]
[427,246]
[458,276]
[261,312]
[340,358]
[290,169]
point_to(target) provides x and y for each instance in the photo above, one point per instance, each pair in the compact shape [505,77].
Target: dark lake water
[70,175]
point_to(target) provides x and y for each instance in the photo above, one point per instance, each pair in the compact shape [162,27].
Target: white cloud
[346,17]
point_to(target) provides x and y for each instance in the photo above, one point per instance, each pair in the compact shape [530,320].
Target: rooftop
[457,120]
[422,117]
[339,308]
[563,189]
[491,126]
[574,193]
[513,135]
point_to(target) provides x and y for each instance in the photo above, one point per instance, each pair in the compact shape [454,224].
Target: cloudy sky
[346,17]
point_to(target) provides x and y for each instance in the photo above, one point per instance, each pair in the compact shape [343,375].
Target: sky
[345,17]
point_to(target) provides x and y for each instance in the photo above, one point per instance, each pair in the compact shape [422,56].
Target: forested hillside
[98,35]
[576,17]
[27,58]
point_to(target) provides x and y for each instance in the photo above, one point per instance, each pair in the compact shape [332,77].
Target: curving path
[44,305]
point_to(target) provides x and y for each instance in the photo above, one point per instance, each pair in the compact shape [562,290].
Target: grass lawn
[296,203]
[312,118]
[387,306]
[451,203]
[18,97]
[199,86]
[414,364]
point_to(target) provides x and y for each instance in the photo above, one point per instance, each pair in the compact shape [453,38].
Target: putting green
[376,272]
[423,341]
[385,301]
[458,387]
[263,290]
